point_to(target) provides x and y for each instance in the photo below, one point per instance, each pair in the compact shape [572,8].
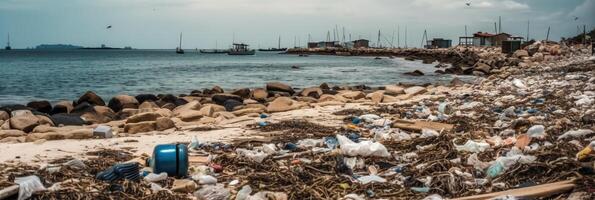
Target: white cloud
[513,5]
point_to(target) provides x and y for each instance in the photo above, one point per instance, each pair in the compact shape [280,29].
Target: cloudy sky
[157,23]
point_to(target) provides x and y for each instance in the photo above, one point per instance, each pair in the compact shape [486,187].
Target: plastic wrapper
[28,185]
[472,146]
[244,193]
[371,179]
[256,156]
[212,192]
[152,177]
[364,148]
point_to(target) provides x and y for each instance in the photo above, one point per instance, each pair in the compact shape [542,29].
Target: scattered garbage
[129,171]
[473,146]
[364,148]
[371,179]
[253,155]
[28,185]
[170,158]
[207,180]
[103,131]
[576,134]
[537,131]
[212,192]
[151,177]
[244,193]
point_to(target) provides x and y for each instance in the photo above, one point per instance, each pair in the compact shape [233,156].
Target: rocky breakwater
[128,115]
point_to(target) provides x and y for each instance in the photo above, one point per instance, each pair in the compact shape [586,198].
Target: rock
[520,53]
[194,105]
[394,90]
[456,82]
[207,110]
[281,104]
[62,107]
[141,98]
[278,94]
[313,92]
[439,72]
[169,106]
[414,73]
[44,120]
[482,68]
[441,65]
[355,95]
[9,108]
[307,99]
[5,125]
[84,133]
[328,97]
[82,108]
[91,98]
[376,96]
[280,87]
[41,106]
[98,114]
[63,119]
[216,90]
[164,123]
[247,111]
[164,112]
[389,99]
[168,98]
[4,115]
[24,121]
[324,86]
[148,105]
[225,114]
[231,104]
[259,94]
[190,115]
[141,127]
[11,133]
[122,101]
[250,101]
[221,98]
[244,93]
[103,131]
[143,117]
[415,90]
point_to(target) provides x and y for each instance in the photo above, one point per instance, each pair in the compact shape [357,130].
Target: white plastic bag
[369,118]
[364,148]
[472,146]
[576,134]
[428,133]
[256,156]
[207,180]
[371,179]
[212,192]
[537,131]
[28,185]
[309,143]
[152,177]
[244,193]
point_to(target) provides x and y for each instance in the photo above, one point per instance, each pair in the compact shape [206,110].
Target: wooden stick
[9,191]
[538,191]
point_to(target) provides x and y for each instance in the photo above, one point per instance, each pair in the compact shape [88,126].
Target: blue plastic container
[170,158]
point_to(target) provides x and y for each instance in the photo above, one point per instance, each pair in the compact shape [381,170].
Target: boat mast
[180,41]
[279,43]
[8,40]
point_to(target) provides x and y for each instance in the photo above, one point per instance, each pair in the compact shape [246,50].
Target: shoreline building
[484,39]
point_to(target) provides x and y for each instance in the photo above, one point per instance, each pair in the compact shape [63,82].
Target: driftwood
[539,191]
[419,125]
[9,191]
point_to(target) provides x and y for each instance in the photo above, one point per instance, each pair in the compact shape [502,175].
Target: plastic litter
[103,131]
[421,189]
[576,134]
[476,163]
[156,187]
[76,164]
[234,182]
[28,185]
[129,171]
[212,192]
[518,83]
[244,193]
[428,133]
[269,148]
[364,148]
[290,146]
[537,131]
[371,179]
[152,177]
[503,163]
[472,146]
[444,108]
[354,137]
[369,118]
[331,142]
[207,180]
[581,155]
[433,197]
[356,120]
[309,143]
[262,116]
[253,155]
[194,144]
[353,197]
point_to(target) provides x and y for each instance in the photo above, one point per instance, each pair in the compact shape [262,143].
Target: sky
[156,24]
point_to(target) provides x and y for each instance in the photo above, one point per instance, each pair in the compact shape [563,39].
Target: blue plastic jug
[170,158]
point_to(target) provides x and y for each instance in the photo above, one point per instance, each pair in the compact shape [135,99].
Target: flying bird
[108,27]
[575,18]
[468,4]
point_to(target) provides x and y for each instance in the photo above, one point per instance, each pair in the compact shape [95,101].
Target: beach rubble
[523,129]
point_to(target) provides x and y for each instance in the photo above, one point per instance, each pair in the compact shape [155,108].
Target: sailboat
[275,49]
[179,49]
[7,43]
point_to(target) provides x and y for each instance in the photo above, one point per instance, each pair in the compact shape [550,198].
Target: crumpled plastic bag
[473,146]
[371,179]
[267,195]
[428,133]
[244,193]
[576,134]
[369,118]
[28,185]
[212,192]
[256,156]
[364,148]
[309,143]
[503,163]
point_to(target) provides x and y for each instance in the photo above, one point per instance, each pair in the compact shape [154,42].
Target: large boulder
[190,115]
[4,115]
[23,120]
[193,105]
[142,117]
[141,127]
[259,94]
[146,97]
[62,107]
[222,98]
[376,97]
[168,98]
[91,98]
[355,95]
[281,104]
[99,114]
[216,90]
[11,133]
[244,93]
[313,92]
[41,106]
[230,104]
[148,105]
[83,107]
[64,119]
[280,87]
[393,90]
[122,101]
[45,120]
[164,123]
[14,107]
